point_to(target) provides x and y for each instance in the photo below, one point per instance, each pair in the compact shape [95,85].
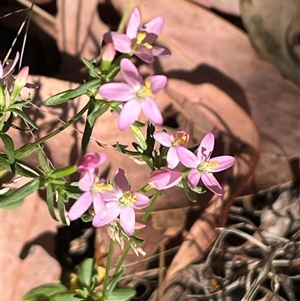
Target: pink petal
[160,178]
[172,157]
[151,111]
[121,42]
[131,74]
[154,26]
[142,201]
[158,82]
[8,68]
[117,91]
[187,158]
[129,114]
[80,206]
[164,178]
[87,180]
[99,204]
[206,147]
[224,163]
[194,178]
[133,24]
[163,138]
[160,51]
[113,211]
[121,181]
[211,183]
[1,70]
[91,160]
[127,218]
[144,54]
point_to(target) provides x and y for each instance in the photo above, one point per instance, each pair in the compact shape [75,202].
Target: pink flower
[137,94]
[164,178]
[93,189]
[122,202]
[173,141]
[202,166]
[90,161]
[139,38]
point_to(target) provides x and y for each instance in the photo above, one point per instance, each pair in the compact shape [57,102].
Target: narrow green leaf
[26,150]
[50,201]
[9,148]
[98,110]
[62,210]
[114,281]
[71,94]
[25,118]
[139,137]
[44,292]
[4,164]
[43,162]
[20,193]
[85,273]
[122,294]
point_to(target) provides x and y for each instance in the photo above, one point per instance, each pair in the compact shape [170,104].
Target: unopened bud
[108,55]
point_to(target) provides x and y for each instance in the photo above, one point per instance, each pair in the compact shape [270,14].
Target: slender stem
[30,146]
[107,269]
[144,218]
[125,16]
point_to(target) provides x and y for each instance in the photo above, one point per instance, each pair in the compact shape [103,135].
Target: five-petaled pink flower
[173,141]
[93,188]
[203,166]
[136,93]
[91,185]
[164,178]
[121,202]
[139,38]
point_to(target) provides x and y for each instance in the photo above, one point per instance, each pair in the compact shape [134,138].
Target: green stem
[27,149]
[107,269]
[125,16]
[144,218]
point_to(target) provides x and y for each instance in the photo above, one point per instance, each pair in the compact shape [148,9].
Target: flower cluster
[109,201]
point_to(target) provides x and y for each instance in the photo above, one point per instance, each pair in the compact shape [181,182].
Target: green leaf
[189,193]
[91,67]
[18,167]
[26,150]
[121,294]
[114,281]
[86,273]
[9,148]
[50,201]
[25,118]
[43,162]
[20,193]
[98,110]
[13,205]
[62,210]
[44,292]
[64,297]
[139,137]
[65,96]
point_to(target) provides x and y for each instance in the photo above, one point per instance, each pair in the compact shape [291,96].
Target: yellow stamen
[127,199]
[140,37]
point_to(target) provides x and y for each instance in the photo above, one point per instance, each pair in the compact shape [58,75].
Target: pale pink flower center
[127,199]
[144,91]
[203,166]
